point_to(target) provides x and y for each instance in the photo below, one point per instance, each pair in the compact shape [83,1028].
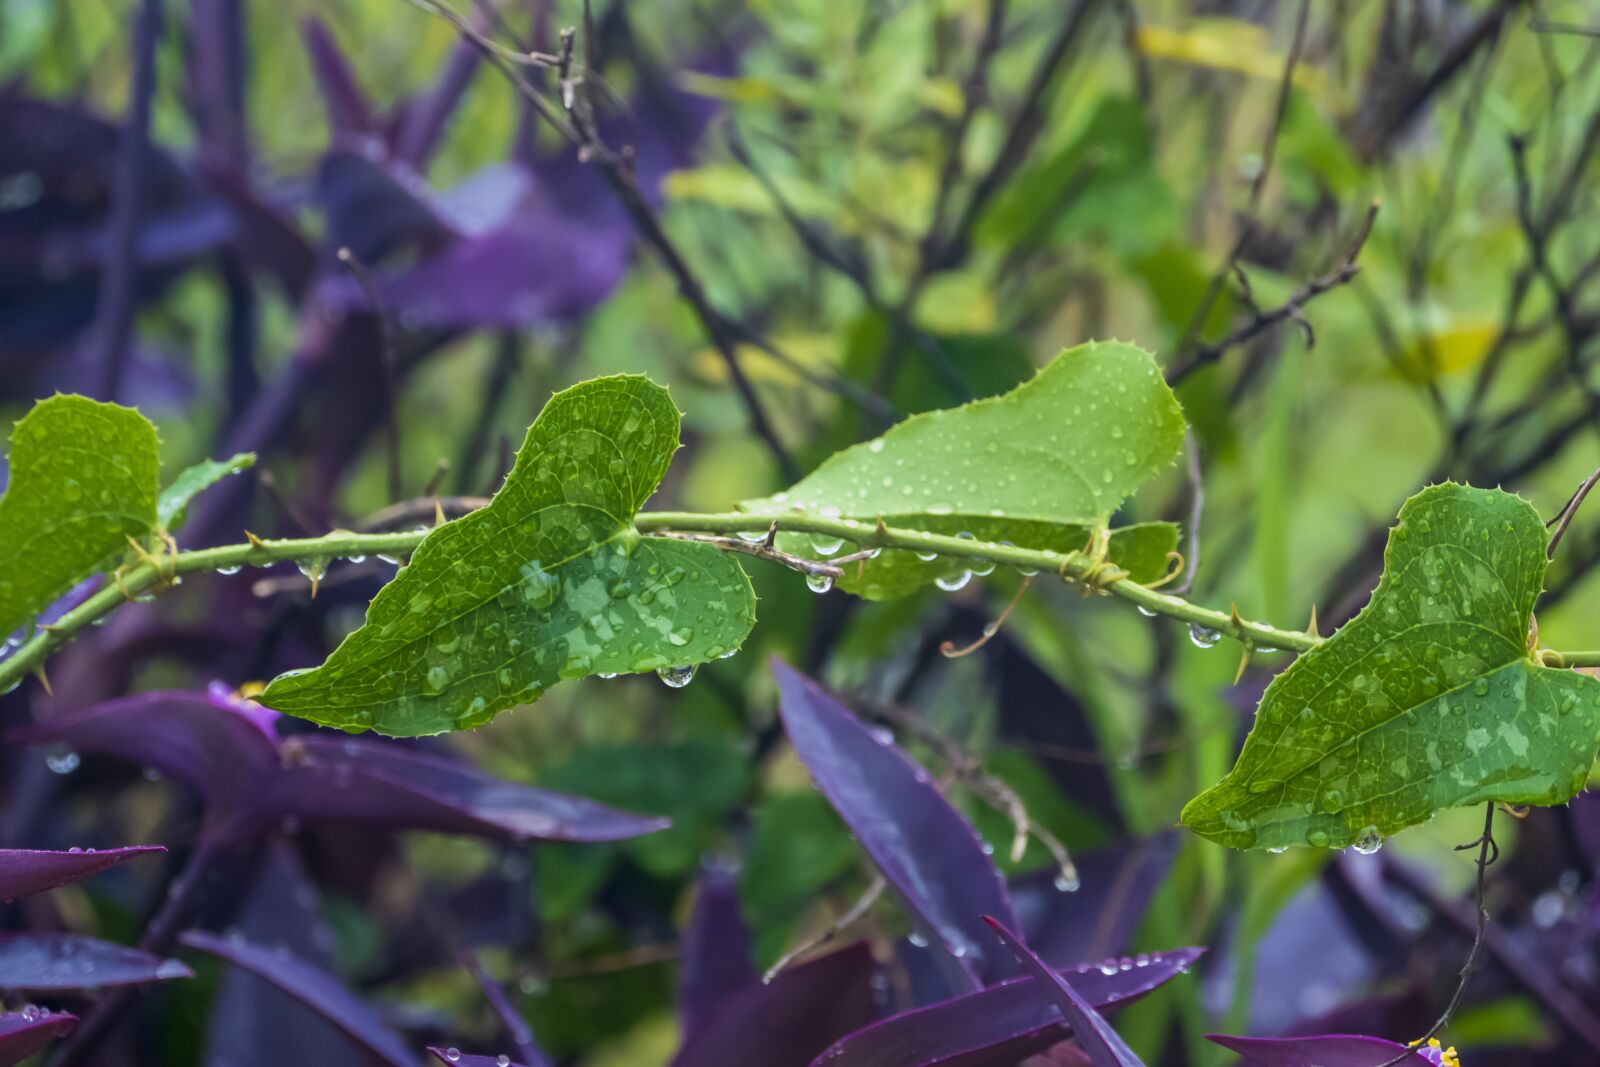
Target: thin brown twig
[1247,228]
[1289,309]
[616,169]
[1488,852]
[761,550]
[968,769]
[1565,516]
[949,650]
[847,919]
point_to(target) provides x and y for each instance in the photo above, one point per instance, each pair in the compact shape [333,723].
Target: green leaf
[83,480]
[1428,699]
[695,783]
[1041,466]
[171,508]
[549,581]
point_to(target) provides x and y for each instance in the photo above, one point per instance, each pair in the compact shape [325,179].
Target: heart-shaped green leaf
[173,504]
[83,480]
[549,581]
[1428,699]
[1041,466]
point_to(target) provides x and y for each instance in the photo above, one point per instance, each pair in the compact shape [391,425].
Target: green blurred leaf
[1426,700]
[694,783]
[83,480]
[798,847]
[172,506]
[549,581]
[1041,467]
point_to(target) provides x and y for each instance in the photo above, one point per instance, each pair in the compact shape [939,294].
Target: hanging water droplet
[825,545]
[918,939]
[62,760]
[1146,612]
[927,557]
[1203,636]
[234,569]
[1369,842]
[1278,850]
[1068,883]
[819,583]
[951,582]
[752,537]
[676,677]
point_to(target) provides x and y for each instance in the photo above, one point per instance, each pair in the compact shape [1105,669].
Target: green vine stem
[341,544]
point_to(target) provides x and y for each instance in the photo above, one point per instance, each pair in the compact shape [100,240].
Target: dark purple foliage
[1004,1024]
[227,751]
[716,952]
[254,1023]
[40,961]
[928,852]
[313,987]
[1326,1050]
[457,1058]
[1103,1044]
[24,871]
[22,1033]
[789,1021]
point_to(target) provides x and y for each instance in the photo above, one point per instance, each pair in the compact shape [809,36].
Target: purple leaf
[927,851]
[540,267]
[217,746]
[252,1022]
[313,987]
[22,1033]
[23,871]
[1103,1044]
[465,1059]
[71,961]
[226,750]
[374,205]
[716,951]
[790,1020]
[391,784]
[1001,1025]
[348,110]
[1326,1050]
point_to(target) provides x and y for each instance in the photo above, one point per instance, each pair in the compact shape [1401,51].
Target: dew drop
[1317,839]
[676,677]
[951,582]
[825,545]
[437,677]
[819,583]
[1369,842]
[927,557]
[62,760]
[1065,883]
[1203,636]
